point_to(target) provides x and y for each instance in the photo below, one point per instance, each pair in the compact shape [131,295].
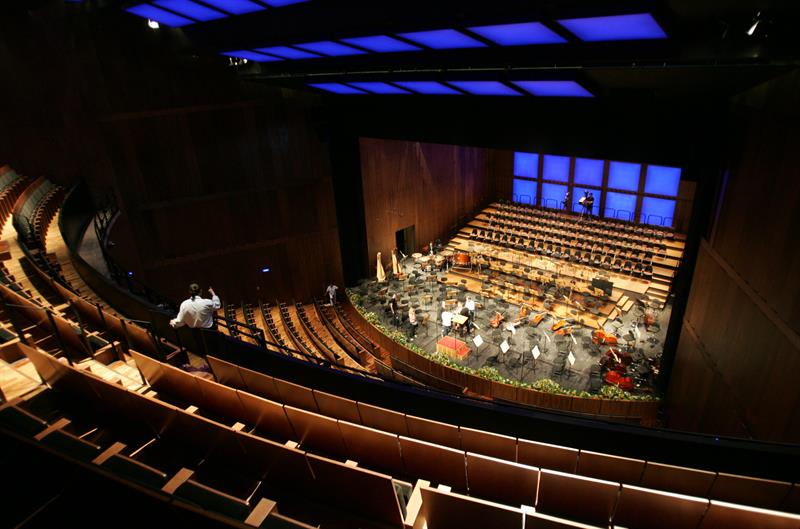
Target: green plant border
[544,385]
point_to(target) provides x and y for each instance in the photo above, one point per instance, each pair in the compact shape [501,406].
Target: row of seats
[328,346]
[34,209]
[646,231]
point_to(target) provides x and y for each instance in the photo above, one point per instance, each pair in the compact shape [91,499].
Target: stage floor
[517,363]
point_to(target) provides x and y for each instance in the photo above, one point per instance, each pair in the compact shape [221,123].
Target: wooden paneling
[735,370]
[433,187]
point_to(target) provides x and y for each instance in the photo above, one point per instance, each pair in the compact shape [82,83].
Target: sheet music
[478,340]
[504,346]
[536,352]
[571,359]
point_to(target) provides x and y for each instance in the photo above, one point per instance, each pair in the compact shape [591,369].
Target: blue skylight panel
[159,15]
[443,39]
[519,34]
[336,88]
[428,87]
[554,88]
[288,53]
[379,88]
[641,26]
[624,175]
[281,3]
[485,88]
[329,48]
[236,7]
[381,44]
[526,164]
[190,9]
[589,171]
[250,56]
[662,180]
[556,168]
[524,191]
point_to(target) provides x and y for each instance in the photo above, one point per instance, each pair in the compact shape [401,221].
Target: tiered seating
[221,448]
[322,339]
[327,315]
[291,323]
[618,248]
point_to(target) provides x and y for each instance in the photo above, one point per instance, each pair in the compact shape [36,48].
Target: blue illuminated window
[621,27]
[330,48]
[524,191]
[658,211]
[190,9]
[379,88]
[553,195]
[661,180]
[288,53]
[442,39]
[250,56]
[519,34]
[336,88]
[381,44]
[428,87]
[553,88]
[159,15]
[485,88]
[281,3]
[624,175]
[236,7]
[556,168]
[620,206]
[526,164]
[589,172]
[578,192]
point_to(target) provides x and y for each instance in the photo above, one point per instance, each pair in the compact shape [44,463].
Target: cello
[496,319]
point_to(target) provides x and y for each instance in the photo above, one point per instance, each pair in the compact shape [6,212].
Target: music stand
[571,362]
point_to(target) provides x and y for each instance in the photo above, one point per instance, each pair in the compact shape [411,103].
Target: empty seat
[640,508]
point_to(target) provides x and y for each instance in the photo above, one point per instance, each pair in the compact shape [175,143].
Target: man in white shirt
[470,306]
[197,312]
[447,322]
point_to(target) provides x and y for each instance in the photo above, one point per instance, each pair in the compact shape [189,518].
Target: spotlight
[152,24]
[265,269]
[756,22]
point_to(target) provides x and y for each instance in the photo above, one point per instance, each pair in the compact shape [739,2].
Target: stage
[425,291]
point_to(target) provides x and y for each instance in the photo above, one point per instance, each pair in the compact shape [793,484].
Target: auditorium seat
[640,508]
[575,497]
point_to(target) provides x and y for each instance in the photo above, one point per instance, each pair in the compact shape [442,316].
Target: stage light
[190,9]
[641,26]
[159,15]
[519,34]
[152,24]
[265,269]
[288,53]
[756,22]
[428,87]
[443,39]
[485,88]
[379,88]
[250,55]
[336,88]
[329,48]
[236,7]
[553,88]
[381,44]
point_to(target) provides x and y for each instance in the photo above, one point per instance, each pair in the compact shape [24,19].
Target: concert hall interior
[528,263]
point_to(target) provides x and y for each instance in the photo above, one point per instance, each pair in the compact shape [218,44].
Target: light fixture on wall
[756,21]
[152,24]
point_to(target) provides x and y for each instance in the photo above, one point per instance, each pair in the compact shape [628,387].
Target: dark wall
[432,187]
[216,179]
[739,352]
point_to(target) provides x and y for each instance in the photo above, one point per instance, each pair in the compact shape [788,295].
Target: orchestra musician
[470,306]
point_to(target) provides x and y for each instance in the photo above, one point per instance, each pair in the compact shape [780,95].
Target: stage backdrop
[435,188]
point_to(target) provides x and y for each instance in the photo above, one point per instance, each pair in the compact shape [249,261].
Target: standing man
[412,320]
[197,312]
[395,309]
[331,292]
[470,306]
[447,322]
[589,204]
[565,202]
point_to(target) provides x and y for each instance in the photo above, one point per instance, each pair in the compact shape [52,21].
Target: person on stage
[394,308]
[565,202]
[447,322]
[412,320]
[589,204]
[470,306]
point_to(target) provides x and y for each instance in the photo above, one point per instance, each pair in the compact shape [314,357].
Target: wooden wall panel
[735,372]
[433,187]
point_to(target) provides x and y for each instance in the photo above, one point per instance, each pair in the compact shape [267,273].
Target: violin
[536,320]
[559,324]
[495,321]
